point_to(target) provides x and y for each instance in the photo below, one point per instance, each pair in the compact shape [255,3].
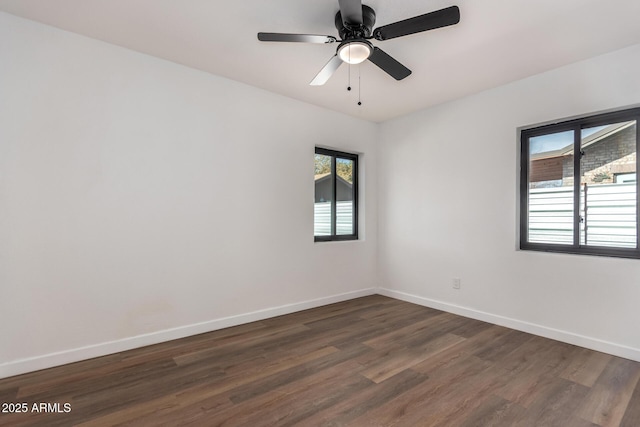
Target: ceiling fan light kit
[355,52]
[354,22]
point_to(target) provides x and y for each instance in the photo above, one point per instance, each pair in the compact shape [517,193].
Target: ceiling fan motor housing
[348,32]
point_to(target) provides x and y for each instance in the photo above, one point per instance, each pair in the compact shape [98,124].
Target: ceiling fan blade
[327,71]
[351,11]
[388,64]
[299,38]
[428,21]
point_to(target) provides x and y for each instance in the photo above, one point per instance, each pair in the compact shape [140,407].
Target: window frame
[347,156]
[576,125]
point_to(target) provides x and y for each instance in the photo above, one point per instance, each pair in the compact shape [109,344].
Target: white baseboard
[532,328]
[37,363]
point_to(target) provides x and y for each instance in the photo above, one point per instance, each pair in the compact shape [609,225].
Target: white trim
[520,325]
[37,363]
[31,364]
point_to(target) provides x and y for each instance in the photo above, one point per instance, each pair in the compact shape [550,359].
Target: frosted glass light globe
[354,52]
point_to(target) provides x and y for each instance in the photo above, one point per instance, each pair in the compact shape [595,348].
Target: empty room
[330,212]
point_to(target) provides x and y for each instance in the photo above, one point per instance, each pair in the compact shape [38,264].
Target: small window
[578,187]
[336,196]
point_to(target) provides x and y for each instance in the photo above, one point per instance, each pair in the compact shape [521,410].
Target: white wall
[448,208]
[137,200]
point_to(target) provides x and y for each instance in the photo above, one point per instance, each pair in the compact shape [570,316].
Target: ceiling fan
[354,22]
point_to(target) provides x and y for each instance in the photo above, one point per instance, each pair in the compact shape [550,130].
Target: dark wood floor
[372,361]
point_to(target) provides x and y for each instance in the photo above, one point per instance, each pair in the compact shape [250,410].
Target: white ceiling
[496,42]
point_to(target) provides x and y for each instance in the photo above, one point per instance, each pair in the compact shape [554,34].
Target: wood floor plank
[278,405]
[459,400]
[92,404]
[188,399]
[356,405]
[632,414]
[398,307]
[371,361]
[372,305]
[385,364]
[296,373]
[62,372]
[586,366]
[419,403]
[557,406]
[373,328]
[399,336]
[301,405]
[610,395]
[466,348]
[495,412]
[538,373]
[196,342]
[9,394]
[500,348]
[225,347]
[78,381]
[167,410]
[470,328]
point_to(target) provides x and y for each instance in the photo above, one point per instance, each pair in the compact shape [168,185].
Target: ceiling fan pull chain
[359,100]
[349,64]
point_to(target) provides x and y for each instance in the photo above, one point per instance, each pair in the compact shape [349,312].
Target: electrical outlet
[456,283]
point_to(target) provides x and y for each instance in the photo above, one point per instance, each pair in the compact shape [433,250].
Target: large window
[578,186]
[336,196]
